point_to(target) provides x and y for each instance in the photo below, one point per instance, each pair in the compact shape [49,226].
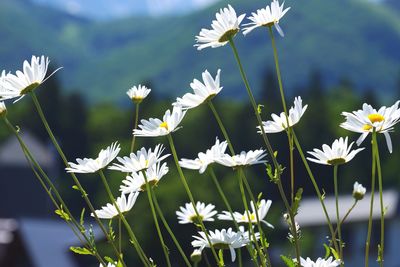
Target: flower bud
[358,191]
[196,256]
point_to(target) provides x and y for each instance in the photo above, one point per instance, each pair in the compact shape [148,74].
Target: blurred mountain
[110,9]
[354,39]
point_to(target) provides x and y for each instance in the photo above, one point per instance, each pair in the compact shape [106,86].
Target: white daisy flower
[358,191]
[366,119]
[222,239]
[142,160]
[156,127]
[3,109]
[187,214]
[204,159]
[224,27]
[93,165]
[109,264]
[202,91]
[124,205]
[138,93]
[243,159]
[339,153]
[266,17]
[33,75]
[262,211]
[320,262]
[279,123]
[136,181]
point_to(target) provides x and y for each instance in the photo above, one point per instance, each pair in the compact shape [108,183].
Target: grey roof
[311,212]
[11,152]
[47,242]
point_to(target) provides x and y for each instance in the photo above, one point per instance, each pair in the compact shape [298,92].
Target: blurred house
[354,229]
[20,192]
[28,237]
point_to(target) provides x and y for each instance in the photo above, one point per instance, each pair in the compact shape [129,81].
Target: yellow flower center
[164,125]
[376,117]
[252,217]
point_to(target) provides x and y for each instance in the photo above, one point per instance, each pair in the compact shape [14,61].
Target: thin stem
[189,193]
[171,233]
[228,206]
[371,207]
[316,188]
[291,217]
[347,214]
[378,165]
[246,207]
[222,127]
[121,215]
[335,183]
[239,254]
[76,181]
[232,151]
[34,164]
[254,104]
[153,211]
[120,234]
[278,72]
[135,126]
[291,159]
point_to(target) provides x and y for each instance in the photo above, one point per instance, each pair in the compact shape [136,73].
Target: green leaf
[289,262]
[75,187]
[297,200]
[63,215]
[335,254]
[81,251]
[327,251]
[259,108]
[82,221]
[108,259]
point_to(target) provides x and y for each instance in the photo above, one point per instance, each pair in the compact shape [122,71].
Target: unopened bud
[358,191]
[196,256]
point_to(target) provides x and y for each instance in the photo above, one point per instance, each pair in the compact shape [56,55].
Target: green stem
[246,207]
[135,126]
[171,233]
[153,212]
[278,73]
[76,181]
[378,165]
[371,207]
[316,188]
[120,235]
[232,151]
[291,217]
[189,193]
[335,182]
[121,215]
[347,214]
[291,159]
[222,127]
[239,253]
[228,206]
[34,164]
[253,103]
